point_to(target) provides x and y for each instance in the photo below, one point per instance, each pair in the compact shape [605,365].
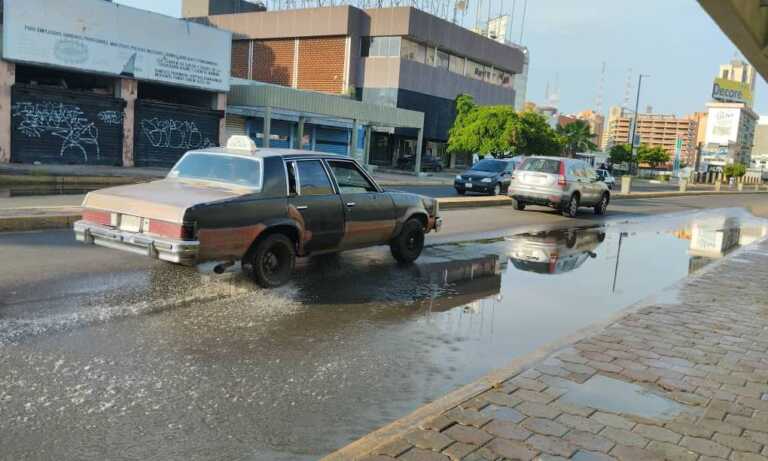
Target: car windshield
[542,165]
[493,166]
[228,169]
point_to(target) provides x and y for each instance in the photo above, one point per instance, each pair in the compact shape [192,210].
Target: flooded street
[113,370]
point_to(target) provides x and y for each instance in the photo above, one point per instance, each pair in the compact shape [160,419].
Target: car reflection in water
[554,252]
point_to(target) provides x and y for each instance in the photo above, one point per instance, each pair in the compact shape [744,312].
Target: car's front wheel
[572,207]
[602,205]
[519,206]
[461,191]
[272,261]
[496,189]
[407,246]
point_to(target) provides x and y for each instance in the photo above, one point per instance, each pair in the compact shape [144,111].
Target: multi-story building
[595,121]
[655,130]
[95,83]
[400,57]
[735,80]
[760,149]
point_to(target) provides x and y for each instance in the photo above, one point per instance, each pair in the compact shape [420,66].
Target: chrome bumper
[176,251]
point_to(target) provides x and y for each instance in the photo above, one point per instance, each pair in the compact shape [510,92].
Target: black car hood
[479,174]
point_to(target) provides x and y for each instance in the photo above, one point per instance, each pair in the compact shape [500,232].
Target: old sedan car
[263,207]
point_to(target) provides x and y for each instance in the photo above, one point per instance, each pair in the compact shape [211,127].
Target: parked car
[428,163]
[554,252]
[561,183]
[606,177]
[263,207]
[489,176]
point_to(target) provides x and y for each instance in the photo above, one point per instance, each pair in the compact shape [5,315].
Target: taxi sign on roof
[240,142]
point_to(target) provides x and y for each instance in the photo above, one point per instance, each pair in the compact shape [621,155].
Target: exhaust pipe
[221,268]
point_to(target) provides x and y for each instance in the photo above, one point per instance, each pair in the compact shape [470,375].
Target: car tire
[461,191]
[572,207]
[602,205]
[272,261]
[519,206]
[407,246]
[496,190]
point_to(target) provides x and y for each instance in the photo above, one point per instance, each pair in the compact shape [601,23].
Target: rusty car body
[223,204]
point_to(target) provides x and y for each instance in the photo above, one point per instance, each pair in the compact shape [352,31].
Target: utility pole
[633,166]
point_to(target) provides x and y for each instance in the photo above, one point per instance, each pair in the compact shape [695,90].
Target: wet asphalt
[110,356]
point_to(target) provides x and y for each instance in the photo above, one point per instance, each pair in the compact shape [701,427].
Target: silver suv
[561,183]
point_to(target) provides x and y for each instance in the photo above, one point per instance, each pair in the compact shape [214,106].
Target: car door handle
[302,207]
[351,204]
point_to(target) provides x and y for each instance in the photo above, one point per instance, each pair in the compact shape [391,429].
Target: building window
[476,70]
[413,51]
[380,46]
[456,64]
[443,59]
[431,56]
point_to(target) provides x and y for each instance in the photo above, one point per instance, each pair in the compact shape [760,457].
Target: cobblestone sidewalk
[702,358]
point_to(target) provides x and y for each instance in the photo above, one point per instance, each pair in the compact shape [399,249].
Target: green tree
[576,137]
[653,156]
[734,170]
[621,153]
[500,131]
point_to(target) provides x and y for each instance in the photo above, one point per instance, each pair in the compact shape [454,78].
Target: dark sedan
[488,176]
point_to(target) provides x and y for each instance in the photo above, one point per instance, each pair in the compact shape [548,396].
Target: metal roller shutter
[55,126]
[164,132]
[332,140]
[279,136]
[236,126]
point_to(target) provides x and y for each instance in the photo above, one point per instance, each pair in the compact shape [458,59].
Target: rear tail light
[97,217]
[184,231]
[561,177]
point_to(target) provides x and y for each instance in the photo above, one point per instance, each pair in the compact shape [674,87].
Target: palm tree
[576,137]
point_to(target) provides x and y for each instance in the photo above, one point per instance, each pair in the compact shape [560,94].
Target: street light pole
[633,166]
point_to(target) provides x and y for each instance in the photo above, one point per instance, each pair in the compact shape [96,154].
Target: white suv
[561,183]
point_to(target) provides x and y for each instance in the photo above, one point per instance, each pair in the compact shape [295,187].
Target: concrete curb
[44,180]
[28,223]
[393,431]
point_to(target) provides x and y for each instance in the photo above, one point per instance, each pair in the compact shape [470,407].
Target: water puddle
[608,394]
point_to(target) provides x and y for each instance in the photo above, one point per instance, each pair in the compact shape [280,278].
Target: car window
[510,167]
[542,165]
[313,180]
[589,172]
[491,166]
[292,184]
[227,169]
[349,178]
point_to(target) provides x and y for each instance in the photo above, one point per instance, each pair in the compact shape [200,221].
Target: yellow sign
[731,91]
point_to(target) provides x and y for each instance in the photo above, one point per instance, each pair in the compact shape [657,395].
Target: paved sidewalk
[684,379]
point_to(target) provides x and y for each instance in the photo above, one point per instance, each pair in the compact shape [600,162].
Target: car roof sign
[241,143]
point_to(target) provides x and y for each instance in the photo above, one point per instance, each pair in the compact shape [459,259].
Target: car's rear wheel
[407,246]
[272,261]
[572,207]
[602,205]
[519,206]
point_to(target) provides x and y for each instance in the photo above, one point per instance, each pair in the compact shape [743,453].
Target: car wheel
[407,246]
[272,261]
[461,191]
[519,206]
[602,205]
[572,207]
[496,190]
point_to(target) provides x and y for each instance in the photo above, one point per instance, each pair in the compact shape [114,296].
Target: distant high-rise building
[735,83]
[730,133]
[654,130]
[595,121]
[760,150]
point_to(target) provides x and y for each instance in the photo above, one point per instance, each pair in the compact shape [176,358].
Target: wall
[240,58]
[321,64]
[273,61]
[7,79]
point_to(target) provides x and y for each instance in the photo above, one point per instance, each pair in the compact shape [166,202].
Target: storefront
[95,83]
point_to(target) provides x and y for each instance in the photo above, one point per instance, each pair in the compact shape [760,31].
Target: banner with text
[107,38]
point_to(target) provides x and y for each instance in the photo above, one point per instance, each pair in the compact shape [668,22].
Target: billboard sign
[722,125]
[107,38]
[731,91]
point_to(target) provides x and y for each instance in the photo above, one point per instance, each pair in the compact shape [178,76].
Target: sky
[673,41]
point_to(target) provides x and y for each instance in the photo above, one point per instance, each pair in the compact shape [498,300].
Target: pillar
[718,185]
[367,151]
[299,144]
[683,185]
[267,126]
[626,184]
[127,91]
[220,103]
[452,160]
[7,79]
[419,143]
[352,150]
[740,185]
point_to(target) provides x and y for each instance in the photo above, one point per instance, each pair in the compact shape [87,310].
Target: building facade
[655,130]
[398,57]
[82,83]
[735,80]
[595,121]
[730,134]
[760,150]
